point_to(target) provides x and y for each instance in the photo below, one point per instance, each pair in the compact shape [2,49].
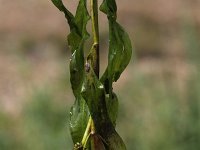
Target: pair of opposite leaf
[93,96]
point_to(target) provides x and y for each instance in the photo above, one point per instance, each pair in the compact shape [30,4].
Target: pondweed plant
[94,113]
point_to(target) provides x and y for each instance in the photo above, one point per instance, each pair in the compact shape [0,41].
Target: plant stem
[95,49]
[87,132]
[95,31]
[94,55]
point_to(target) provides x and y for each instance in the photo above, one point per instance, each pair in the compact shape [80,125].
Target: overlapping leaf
[120,49]
[76,39]
[94,93]
[112,107]
[95,97]
[79,115]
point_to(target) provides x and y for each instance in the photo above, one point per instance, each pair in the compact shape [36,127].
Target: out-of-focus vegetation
[159,92]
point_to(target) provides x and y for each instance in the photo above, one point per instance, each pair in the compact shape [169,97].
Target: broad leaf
[120,49]
[112,107]
[76,39]
[79,115]
[90,93]
[94,94]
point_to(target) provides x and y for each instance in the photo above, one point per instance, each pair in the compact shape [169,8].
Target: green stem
[95,31]
[94,60]
[95,47]
[87,132]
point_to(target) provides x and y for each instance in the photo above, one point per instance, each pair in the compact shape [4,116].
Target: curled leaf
[120,49]
[112,108]
[79,116]
[79,112]
[76,39]
[70,18]
[94,94]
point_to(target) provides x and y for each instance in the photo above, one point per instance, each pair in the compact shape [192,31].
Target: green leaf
[77,71]
[119,51]
[89,92]
[112,107]
[76,40]
[109,7]
[120,48]
[94,94]
[70,18]
[79,116]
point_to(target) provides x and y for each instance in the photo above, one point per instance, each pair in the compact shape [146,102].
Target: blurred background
[159,92]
